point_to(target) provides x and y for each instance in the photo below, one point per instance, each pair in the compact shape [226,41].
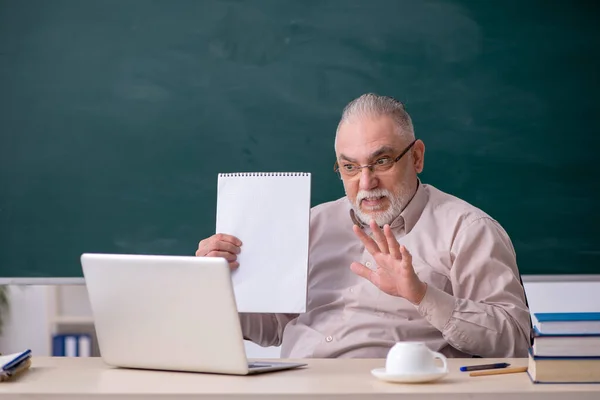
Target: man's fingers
[219,242]
[225,246]
[392,243]
[406,257]
[379,237]
[223,237]
[234,265]
[226,255]
[369,243]
[361,270]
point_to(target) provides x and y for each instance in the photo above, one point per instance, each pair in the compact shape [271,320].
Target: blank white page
[270,214]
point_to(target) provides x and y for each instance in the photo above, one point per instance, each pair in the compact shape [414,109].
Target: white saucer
[407,378]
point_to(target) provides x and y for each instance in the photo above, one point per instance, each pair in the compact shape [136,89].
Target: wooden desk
[83,378]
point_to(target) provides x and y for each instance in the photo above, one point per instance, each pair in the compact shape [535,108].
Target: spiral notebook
[270,214]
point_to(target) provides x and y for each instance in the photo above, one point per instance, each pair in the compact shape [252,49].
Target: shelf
[72,320]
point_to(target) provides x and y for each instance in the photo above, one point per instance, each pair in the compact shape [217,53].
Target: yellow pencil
[499,371]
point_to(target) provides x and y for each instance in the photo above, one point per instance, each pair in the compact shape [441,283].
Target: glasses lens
[383,164]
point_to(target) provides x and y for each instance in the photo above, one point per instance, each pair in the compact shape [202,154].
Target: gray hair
[371,104]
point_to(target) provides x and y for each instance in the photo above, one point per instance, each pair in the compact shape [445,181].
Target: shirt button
[351,290]
[328,339]
[368,264]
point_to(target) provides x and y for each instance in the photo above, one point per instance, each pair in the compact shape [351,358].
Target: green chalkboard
[116,116]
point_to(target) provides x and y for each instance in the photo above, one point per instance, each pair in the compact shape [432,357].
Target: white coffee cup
[407,358]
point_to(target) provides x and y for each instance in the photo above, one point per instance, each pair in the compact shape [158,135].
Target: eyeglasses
[380,165]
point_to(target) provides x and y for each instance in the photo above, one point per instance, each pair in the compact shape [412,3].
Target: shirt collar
[408,217]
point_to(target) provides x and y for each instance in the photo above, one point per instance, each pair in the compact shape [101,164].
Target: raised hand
[394,274]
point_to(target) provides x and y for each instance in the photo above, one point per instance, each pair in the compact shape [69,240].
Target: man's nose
[368,180]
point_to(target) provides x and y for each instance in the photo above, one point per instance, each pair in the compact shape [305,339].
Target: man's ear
[418,155]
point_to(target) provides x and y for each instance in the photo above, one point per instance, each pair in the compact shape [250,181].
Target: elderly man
[395,259]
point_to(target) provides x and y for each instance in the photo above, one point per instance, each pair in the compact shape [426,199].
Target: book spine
[70,346]
[85,346]
[58,346]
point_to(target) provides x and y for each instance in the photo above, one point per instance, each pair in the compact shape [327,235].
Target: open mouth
[372,202]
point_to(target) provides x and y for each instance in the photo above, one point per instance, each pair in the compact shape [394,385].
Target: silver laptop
[171,313]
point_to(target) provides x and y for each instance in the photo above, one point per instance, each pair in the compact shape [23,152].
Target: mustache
[363,194]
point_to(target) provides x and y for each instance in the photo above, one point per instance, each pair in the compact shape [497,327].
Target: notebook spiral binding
[236,174]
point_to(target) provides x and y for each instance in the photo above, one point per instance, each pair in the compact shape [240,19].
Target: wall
[28,323]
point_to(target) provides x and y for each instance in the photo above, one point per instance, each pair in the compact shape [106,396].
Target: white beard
[397,200]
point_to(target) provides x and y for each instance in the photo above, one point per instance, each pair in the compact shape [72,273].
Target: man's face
[378,195]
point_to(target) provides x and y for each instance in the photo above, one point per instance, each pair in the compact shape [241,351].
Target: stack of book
[71,345]
[566,348]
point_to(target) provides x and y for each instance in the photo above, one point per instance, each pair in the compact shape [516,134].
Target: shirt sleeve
[486,315]
[265,329]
